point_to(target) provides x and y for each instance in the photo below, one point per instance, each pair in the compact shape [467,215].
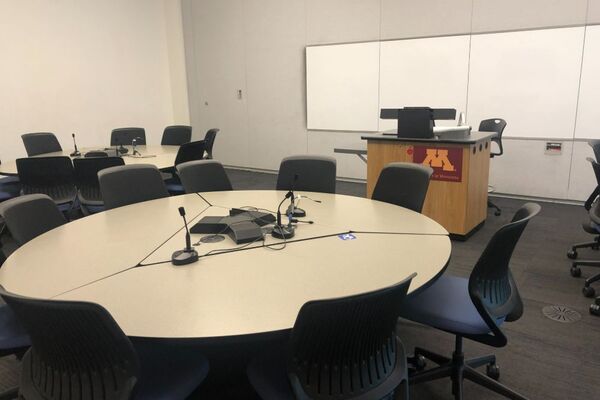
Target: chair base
[458,369]
[588,290]
[594,245]
[497,209]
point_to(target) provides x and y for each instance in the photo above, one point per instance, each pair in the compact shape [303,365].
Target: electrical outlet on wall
[553,148]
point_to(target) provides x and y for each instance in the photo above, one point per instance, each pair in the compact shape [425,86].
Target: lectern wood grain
[457,206]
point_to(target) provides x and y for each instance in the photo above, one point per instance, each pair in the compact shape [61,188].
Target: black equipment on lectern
[76,153]
[188,255]
[417,122]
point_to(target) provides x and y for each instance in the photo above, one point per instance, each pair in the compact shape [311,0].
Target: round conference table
[158,155]
[121,260]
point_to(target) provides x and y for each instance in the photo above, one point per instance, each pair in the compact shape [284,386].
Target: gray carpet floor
[544,359]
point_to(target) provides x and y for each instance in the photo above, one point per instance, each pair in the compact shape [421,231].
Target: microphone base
[122,150]
[298,212]
[75,154]
[283,232]
[184,257]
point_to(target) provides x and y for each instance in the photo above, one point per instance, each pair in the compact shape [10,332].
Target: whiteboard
[342,87]
[588,126]
[529,78]
[431,72]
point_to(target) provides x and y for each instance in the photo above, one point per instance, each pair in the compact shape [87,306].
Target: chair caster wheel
[595,309]
[588,291]
[572,254]
[575,272]
[497,213]
[493,371]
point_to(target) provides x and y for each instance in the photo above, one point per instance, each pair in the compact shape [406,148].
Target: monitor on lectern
[417,122]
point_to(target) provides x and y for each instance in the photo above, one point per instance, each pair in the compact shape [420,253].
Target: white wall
[270,35]
[89,66]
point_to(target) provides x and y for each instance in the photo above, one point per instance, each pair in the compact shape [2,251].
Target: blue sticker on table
[347,236]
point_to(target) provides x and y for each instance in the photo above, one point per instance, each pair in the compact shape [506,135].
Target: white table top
[160,156]
[120,259]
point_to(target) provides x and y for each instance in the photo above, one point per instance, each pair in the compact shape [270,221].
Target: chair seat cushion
[168,371]
[446,305]
[12,335]
[591,227]
[268,375]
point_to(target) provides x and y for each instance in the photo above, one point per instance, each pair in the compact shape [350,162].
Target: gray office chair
[40,143]
[203,176]
[176,135]
[30,215]
[129,184]
[494,125]
[86,179]
[344,348]
[209,140]
[403,184]
[53,176]
[78,351]
[125,136]
[314,174]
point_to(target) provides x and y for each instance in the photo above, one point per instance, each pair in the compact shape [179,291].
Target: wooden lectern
[457,195]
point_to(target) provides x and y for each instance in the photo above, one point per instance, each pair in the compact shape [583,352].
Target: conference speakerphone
[243,226]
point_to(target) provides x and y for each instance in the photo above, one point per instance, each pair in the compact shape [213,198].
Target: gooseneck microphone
[188,255]
[133,145]
[281,231]
[76,153]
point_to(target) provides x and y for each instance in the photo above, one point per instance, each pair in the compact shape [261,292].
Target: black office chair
[78,351]
[86,180]
[29,216]
[125,136]
[314,173]
[343,348]
[192,151]
[496,125]
[53,176]
[473,308]
[209,140]
[95,153]
[593,227]
[403,184]
[10,187]
[588,226]
[40,143]
[203,176]
[14,341]
[176,135]
[130,184]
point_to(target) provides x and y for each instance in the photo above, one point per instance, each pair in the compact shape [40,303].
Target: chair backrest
[125,136]
[30,215]
[191,151]
[129,184]
[53,176]
[595,145]
[92,154]
[491,285]
[40,143]
[315,173]
[86,171]
[77,351]
[494,125]
[346,347]
[403,184]
[203,176]
[176,135]
[209,140]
